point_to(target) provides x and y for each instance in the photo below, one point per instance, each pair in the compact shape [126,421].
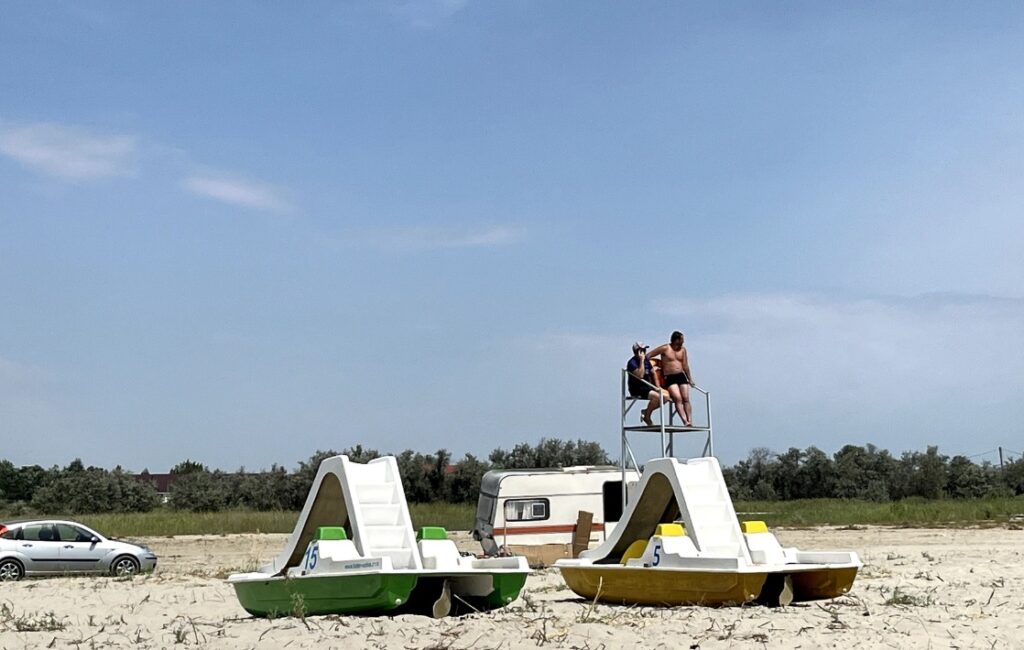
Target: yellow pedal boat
[679,543]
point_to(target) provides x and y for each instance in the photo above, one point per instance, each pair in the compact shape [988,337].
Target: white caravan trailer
[533,512]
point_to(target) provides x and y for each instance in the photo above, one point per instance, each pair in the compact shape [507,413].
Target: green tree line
[869,473]
[853,472]
[77,489]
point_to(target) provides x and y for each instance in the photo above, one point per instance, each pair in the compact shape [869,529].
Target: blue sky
[240,232]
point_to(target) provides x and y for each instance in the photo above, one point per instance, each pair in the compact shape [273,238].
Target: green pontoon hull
[369,593]
[352,594]
[505,588]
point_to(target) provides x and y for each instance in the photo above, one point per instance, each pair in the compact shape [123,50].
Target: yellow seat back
[749,527]
[635,550]
[670,530]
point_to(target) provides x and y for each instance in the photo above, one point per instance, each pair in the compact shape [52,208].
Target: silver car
[52,546]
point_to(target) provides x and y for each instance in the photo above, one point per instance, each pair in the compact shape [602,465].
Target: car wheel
[124,565]
[11,570]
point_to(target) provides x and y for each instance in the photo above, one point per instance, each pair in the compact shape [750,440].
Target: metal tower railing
[665,426]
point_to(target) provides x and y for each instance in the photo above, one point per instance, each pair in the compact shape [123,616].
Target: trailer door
[611,501]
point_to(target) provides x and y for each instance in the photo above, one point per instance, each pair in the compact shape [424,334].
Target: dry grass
[166,523]
[29,622]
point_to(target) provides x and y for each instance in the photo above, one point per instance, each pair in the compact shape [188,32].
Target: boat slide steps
[711,514]
[714,527]
[377,536]
[399,555]
[382,515]
[704,491]
[376,493]
[717,530]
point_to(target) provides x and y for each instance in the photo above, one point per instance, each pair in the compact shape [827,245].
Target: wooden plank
[581,536]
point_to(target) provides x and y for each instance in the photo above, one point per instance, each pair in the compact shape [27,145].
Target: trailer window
[611,497]
[526,509]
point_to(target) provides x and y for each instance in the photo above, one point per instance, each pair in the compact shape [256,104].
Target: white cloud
[236,191]
[69,152]
[417,239]
[797,369]
[496,236]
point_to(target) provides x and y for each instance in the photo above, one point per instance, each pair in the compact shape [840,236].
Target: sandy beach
[920,588]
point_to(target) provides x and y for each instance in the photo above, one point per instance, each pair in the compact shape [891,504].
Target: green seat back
[324,533]
[431,532]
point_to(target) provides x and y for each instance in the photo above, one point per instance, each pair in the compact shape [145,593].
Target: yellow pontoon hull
[642,586]
[646,586]
[820,584]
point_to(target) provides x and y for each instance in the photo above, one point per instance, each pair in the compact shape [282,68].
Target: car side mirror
[94,539]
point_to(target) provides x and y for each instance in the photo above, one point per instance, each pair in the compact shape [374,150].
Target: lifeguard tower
[679,541]
[665,426]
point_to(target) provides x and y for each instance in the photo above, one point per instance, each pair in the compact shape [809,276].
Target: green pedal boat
[353,551]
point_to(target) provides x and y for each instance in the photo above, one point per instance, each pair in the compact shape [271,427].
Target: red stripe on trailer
[540,530]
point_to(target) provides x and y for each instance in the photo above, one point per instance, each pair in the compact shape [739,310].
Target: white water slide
[691,491]
[366,499]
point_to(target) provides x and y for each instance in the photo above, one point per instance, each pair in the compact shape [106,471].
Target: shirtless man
[676,368]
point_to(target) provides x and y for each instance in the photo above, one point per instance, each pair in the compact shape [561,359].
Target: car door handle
[26,545]
[68,546]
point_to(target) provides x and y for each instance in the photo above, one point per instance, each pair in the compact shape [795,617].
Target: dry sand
[920,588]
